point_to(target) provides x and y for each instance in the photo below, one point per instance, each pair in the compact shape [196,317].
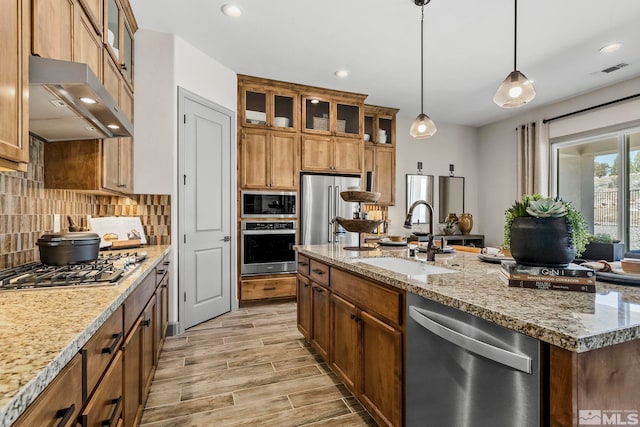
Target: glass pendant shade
[422,127]
[515,91]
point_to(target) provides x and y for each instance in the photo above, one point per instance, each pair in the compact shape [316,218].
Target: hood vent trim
[56,112]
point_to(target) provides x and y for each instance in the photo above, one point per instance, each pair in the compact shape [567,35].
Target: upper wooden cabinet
[380,157]
[119,29]
[269,159]
[331,154]
[14,81]
[380,121]
[262,106]
[326,115]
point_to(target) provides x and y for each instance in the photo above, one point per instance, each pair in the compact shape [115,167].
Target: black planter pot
[606,251]
[543,242]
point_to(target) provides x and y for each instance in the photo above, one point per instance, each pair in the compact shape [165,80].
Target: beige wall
[497,150]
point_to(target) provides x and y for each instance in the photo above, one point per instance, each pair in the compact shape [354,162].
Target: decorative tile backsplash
[27,209]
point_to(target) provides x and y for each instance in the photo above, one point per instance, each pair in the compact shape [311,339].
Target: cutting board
[118,232]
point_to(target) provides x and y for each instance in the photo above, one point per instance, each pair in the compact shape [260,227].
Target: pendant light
[516,90]
[422,127]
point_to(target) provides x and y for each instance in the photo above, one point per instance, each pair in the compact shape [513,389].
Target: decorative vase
[542,242]
[465,223]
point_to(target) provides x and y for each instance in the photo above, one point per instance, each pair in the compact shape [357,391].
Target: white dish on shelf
[256,115]
[282,122]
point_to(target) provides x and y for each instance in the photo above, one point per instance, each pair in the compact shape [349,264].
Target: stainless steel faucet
[431,248]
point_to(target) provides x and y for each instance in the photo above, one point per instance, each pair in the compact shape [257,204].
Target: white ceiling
[468,47]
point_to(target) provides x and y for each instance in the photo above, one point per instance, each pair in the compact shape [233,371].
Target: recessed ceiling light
[341,74]
[87,100]
[611,47]
[231,10]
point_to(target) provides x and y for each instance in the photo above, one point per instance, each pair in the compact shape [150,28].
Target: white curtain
[533,158]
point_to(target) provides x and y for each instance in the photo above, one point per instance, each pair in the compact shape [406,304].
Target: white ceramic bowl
[367,137]
[282,122]
[382,139]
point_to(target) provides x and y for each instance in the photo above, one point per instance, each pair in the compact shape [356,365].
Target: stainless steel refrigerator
[320,203]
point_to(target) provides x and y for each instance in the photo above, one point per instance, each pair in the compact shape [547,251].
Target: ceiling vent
[614,68]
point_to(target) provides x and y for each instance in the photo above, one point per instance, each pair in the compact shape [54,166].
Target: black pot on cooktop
[68,248]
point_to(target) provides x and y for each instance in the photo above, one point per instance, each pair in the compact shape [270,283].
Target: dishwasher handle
[499,355]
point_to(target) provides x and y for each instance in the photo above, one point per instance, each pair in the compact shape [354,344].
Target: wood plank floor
[248,368]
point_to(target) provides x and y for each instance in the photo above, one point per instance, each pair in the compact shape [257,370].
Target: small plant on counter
[537,206]
[602,238]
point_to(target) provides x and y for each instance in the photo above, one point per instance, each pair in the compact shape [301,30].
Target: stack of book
[571,278]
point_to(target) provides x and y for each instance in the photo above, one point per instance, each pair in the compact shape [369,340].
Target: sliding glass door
[600,175]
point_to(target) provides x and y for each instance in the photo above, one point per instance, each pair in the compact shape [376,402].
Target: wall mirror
[419,187]
[451,199]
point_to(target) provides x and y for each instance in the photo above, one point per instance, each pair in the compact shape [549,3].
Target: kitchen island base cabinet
[357,326]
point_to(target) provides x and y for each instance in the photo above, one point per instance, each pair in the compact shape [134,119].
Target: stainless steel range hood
[60,108]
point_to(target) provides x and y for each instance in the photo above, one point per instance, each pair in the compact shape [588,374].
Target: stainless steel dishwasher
[465,371]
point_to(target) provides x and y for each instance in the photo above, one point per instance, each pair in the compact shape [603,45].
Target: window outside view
[601,177]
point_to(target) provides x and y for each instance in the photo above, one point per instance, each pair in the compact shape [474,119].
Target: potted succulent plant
[603,247]
[544,231]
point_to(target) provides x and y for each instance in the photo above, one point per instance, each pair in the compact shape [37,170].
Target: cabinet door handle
[112,347]
[166,263]
[123,66]
[65,414]
[271,288]
[304,264]
[146,322]
[306,285]
[318,271]
[112,418]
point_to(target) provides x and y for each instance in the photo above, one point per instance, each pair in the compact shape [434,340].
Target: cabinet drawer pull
[166,263]
[318,271]
[146,322]
[164,285]
[112,418]
[65,414]
[160,271]
[319,289]
[271,288]
[112,347]
[304,264]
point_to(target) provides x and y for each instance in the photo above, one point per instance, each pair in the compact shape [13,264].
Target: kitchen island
[590,347]
[42,330]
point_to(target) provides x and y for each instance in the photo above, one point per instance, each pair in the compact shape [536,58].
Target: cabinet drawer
[100,349]
[137,301]
[319,272]
[383,301]
[105,406]
[303,265]
[162,269]
[276,287]
[59,404]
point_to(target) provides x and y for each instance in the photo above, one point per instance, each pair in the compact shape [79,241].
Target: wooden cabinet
[119,29]
[345,350]
[320,320]
[331,154]
[62,29]
[105,405]
[14,81]
[162,301]
[267,287]
[382,161]
[263,105]
[381,157]
[304,306]
[60,403]
[149,343]
[269,160]
[132,376]
[382,361]
[365,331]
[329,113]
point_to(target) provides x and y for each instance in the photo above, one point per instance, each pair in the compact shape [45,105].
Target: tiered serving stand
[359,225]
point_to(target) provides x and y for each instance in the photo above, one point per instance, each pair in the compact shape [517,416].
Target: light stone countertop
[41,330]
[576,321]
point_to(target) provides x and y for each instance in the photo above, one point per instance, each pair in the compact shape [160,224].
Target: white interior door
[205,210]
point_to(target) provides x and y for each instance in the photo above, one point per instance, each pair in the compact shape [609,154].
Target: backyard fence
[605,207]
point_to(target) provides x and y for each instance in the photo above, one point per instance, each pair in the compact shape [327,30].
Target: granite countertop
[41,330]
[575,321]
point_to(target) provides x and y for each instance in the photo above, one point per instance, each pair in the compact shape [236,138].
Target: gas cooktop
[108,269]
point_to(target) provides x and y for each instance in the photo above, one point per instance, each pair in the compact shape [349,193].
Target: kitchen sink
[405,266]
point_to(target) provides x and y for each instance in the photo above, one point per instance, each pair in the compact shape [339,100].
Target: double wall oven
[268,232]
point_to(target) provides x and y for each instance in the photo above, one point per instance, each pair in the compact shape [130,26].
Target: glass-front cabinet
[268,108]
[118,37]
[380,125]
[329,116]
